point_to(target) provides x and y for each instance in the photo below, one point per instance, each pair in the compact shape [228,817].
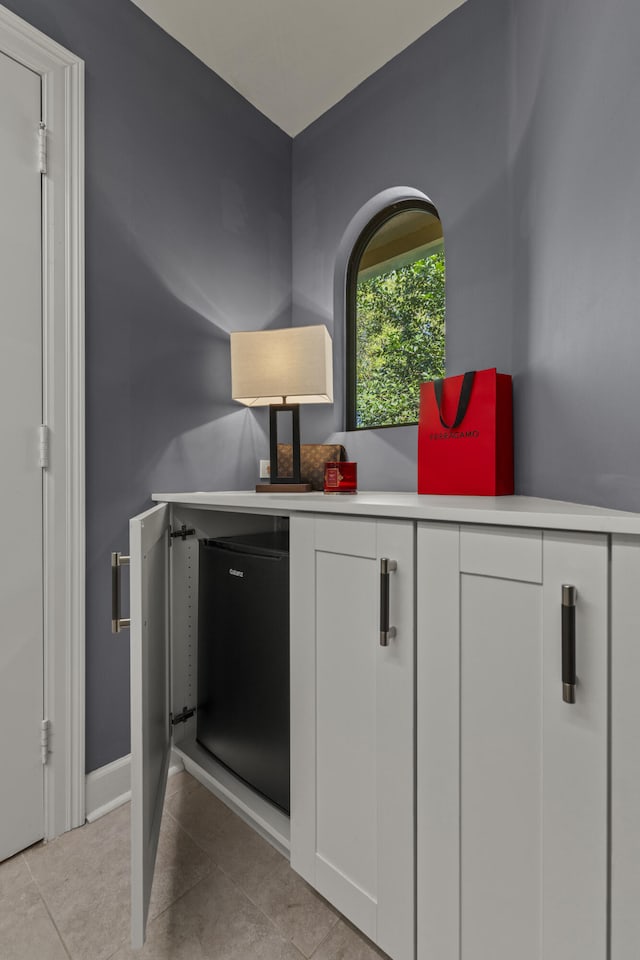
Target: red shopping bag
[465,435]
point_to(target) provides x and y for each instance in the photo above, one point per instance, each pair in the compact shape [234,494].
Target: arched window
[395,315]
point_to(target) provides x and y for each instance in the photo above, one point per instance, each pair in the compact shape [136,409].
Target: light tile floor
[220,893]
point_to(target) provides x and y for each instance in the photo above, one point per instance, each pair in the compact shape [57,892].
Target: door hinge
[42,147]
[45,729]
[183,533]
[43,446]
[186,714]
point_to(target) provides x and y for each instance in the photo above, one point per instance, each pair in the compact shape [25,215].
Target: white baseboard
[265,818]
[109,787]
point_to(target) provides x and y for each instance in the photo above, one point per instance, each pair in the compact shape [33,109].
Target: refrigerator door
[150,719]
[243,663]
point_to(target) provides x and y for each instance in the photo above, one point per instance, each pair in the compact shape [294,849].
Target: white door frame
[62,76]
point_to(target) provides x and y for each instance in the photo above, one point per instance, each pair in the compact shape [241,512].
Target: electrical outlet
[265,469]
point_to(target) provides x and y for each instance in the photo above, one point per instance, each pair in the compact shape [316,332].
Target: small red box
[341,476]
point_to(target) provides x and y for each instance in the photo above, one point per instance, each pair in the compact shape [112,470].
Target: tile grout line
[210,862]
[46,907]
[228,875]
[214,865]
[273,923]
[83,827]
[326,936]
[191,889]
[248,896]
[261,911]
[235,884]
[127,940]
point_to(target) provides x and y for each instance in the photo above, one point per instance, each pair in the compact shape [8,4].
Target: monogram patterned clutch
[313,457]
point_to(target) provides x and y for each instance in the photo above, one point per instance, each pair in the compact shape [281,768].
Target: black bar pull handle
[118,623]
[569,599]
[386,632]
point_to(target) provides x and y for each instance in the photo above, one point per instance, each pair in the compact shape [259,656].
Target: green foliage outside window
[400,340]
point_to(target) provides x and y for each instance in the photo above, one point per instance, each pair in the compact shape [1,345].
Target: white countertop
[509,511]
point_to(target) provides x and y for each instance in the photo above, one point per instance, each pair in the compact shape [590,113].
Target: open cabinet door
[150,719]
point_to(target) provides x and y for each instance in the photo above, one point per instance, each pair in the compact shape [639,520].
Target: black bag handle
[463,402]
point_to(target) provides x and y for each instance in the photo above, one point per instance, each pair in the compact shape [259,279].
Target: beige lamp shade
[295,363]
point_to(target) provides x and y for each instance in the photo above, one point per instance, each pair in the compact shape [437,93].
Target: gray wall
[187,237]
[520,119]
[574,149]
[436,119]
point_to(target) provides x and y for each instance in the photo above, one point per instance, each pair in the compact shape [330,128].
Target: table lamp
[282,369]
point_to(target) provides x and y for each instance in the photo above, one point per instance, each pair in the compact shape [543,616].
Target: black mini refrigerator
[243,658]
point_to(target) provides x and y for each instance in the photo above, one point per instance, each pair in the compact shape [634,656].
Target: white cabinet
[512,789]
[352,707]
[625,755]
[440,785]
[164,614]
[150,701]
[352,722]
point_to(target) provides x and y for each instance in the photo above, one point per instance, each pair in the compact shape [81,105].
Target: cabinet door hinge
[186,714]
[42,147]
[43,446]
[45,730]
[182,532]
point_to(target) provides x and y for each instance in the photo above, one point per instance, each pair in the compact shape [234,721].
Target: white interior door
[150,699]
[21,604]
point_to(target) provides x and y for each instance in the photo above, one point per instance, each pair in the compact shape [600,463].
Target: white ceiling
[293,59]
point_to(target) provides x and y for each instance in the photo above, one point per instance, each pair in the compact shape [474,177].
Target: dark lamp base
[283,488]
